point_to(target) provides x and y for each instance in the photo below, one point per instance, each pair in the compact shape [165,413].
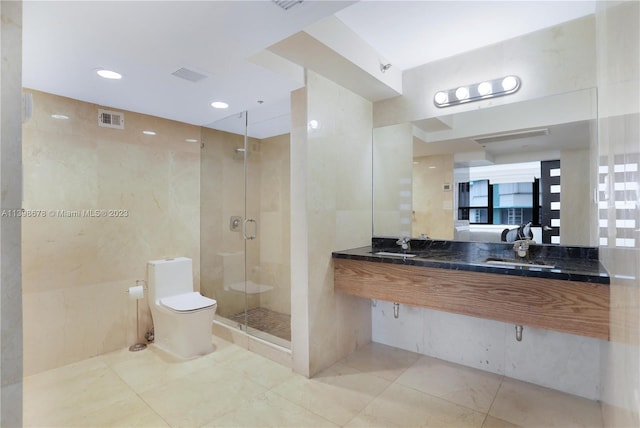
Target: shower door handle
[255,229]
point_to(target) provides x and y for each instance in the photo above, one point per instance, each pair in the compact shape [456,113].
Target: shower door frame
[251,240]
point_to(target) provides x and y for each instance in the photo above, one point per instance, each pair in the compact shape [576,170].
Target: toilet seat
[187,302]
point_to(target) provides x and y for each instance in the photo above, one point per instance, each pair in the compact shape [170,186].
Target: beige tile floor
[378,386]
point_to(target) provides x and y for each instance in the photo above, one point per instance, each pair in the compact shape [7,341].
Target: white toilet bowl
[182,317]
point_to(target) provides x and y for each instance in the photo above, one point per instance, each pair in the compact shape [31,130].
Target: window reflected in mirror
[513,195]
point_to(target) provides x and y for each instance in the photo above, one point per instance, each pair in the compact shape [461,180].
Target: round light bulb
[441,97]
[509,83]
[484,88]
[219,104]
[313,124]
[108,74]
[462,93]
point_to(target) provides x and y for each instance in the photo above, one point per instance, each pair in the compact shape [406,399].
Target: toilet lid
[187,302]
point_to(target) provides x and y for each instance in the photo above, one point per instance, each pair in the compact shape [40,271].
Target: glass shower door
[245,227]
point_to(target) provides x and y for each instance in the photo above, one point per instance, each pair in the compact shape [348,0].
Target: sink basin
[507,263]
[386,253]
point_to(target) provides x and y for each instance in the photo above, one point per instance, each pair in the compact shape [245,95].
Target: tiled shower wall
[77,268]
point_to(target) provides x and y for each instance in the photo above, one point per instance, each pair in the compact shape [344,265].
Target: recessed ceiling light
[219,104]
[60,116]
[148,132]
[108,74]
[191,140]
[314,124]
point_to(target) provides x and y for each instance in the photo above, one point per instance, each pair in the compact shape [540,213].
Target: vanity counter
[571,297]
[569,263]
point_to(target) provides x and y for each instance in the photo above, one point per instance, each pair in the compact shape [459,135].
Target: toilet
[182,317]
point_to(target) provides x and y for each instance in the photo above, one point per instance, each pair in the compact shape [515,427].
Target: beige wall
[433,206]
[331,210]
[76,269]
[619,133]
[10,183]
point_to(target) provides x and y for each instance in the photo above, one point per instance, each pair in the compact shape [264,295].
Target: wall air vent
[190,75]
[287,4]
[512,136]
[110,119]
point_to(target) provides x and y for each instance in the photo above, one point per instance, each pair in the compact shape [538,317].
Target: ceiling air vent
[190,75]
[287,4]
[110,119]
[512,136]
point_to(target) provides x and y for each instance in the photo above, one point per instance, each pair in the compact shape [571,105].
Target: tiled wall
[10,184]
[617,26]
[331,210]
[77,268]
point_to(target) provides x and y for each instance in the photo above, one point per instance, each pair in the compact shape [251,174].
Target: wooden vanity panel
[568,306]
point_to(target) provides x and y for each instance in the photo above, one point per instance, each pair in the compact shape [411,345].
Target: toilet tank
[169,277]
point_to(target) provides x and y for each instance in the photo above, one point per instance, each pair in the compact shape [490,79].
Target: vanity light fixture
[60,116]
[478,91]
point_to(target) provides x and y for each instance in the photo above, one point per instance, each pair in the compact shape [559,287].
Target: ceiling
[64,43]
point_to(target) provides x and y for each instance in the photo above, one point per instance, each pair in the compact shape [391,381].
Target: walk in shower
[244,179]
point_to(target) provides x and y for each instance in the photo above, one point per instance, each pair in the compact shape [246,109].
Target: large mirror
[528,161]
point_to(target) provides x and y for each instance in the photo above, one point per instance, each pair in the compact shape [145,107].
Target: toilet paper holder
[137,293]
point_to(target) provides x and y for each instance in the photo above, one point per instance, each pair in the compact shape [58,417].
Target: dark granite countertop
[569,263]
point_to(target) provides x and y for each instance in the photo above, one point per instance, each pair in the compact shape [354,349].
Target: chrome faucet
[521,247]
[405,243]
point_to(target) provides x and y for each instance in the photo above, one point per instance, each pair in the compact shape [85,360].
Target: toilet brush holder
[136,293]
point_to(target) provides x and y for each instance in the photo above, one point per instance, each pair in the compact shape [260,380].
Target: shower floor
[263,319]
